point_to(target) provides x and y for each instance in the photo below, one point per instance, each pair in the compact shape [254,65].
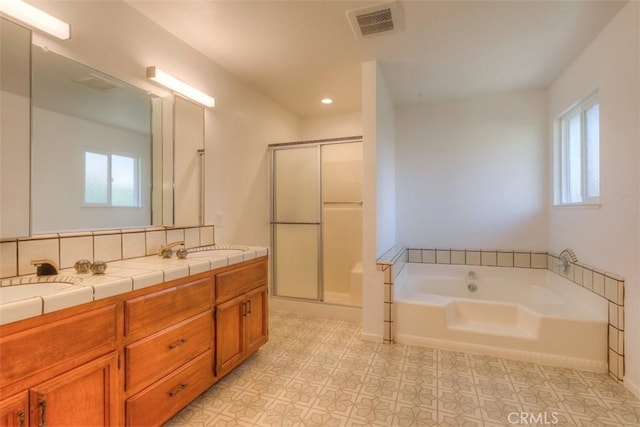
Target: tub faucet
[45,267]
[566,257]
[166,251]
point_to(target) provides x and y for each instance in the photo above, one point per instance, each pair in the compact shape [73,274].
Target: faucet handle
[166,251]
[45,267]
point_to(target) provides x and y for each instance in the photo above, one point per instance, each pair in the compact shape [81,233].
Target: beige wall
[608,237]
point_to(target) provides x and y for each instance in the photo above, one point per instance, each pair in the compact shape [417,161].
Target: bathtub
[518,313]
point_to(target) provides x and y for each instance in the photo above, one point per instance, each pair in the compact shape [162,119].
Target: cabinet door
[14,411]
[229,334]
[85,396]
[256,326]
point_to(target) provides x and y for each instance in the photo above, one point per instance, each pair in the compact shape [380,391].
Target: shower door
[296,222]
[342,223]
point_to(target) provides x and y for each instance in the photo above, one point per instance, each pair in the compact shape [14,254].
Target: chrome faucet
[45,267]
[166,251]
[566,257]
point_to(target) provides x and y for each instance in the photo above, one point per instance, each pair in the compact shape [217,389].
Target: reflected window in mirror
[111,180]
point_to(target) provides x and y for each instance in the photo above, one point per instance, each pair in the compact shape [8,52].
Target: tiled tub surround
[606,285]
[120,277]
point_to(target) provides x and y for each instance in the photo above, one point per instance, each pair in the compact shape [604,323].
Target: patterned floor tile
[318,372]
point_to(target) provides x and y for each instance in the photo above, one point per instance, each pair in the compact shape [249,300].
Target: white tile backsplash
[133,245]
[8,259]
[35,249]
[473,257]
[443,256]
[458,257]
[538,260]
[489,258]
[107,247]
[505,259]
[155,240]
[64,249]
[207,235]
[73,249]
[191,237]
[428,256]
[175,235]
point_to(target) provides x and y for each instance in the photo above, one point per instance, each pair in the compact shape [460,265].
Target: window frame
[562,157]
[109,202]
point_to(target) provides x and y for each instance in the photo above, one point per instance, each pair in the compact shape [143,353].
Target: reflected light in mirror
[35,18]
[179,86]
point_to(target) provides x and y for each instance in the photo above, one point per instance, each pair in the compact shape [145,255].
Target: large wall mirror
[91,148]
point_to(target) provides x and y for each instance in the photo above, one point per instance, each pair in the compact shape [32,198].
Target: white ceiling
[300,51]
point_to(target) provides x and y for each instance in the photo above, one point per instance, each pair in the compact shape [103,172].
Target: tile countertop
[120,277]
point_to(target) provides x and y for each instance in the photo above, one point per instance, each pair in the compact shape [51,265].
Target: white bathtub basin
[528,314]
[18,292]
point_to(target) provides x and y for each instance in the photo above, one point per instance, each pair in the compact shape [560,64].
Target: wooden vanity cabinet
[63,371]
[169,349]
[136,358]
[241,314]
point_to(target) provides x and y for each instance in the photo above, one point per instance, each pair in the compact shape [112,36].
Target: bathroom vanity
[136,358]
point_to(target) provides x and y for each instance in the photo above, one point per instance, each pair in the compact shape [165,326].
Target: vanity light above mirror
[35,18]
[168,81]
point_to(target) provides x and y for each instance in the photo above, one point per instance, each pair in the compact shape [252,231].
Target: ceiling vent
[97,82]
[381,18]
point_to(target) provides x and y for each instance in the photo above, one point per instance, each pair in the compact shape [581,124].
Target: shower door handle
[294,223]
[356,202]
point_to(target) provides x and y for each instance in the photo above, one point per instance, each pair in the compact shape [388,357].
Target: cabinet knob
[21,418]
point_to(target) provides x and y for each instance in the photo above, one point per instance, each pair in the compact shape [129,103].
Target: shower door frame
[272,211]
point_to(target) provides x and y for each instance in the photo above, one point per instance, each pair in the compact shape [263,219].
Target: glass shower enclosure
[316,221]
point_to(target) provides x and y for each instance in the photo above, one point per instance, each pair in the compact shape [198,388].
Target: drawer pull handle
[177,390]
[177,343]
[43,413]
[21,418]
[249,307]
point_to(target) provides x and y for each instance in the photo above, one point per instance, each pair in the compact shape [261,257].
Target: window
[111,180]
[578,154]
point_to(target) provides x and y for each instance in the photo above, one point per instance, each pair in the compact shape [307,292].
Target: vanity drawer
[71,341]
[230,284]
[165,398]
[153,357]
[154,312]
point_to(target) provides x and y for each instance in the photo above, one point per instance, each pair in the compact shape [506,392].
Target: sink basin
[18,292]
[214,253]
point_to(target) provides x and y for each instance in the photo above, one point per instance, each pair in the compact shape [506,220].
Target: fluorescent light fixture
[179,86]
[326,101]
[35,18]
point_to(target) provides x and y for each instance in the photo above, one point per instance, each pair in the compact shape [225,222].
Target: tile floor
[317,372]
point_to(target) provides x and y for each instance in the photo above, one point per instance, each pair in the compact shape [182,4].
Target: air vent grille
[376,19]
[375,22]
[97,82]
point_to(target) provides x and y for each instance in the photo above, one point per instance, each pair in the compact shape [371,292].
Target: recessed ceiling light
[326,101]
